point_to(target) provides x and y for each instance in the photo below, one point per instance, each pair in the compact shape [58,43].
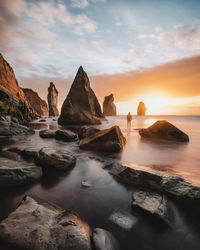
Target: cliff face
[36,103]
[81,105]
[52,100]
[109,108]
[12,99]
[141,111]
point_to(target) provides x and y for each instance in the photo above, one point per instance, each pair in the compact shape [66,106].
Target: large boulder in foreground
[141,110]
[50,160]
[11,128]
[109,108]
[52,100]
[16,173]
[163,130]
[151,178]
[154,203]
[81,106]
[37,224]
[107,140]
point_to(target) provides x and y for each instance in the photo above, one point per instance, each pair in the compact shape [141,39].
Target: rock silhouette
[36,103]
[52,100]
[141,111]
[81,106]
[109,108]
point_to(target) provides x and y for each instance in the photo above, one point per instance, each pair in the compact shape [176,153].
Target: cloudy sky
[137,49]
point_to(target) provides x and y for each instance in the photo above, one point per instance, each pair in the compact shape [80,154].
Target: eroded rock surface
[52,100]
[37,224]
[12,128]
[141,110]
[109,108]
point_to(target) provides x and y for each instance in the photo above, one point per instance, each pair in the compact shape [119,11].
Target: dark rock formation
[52,100]
[107,140]
[12,99]
[163,130]
[35,102]
[154,203]
[147,177]
[82,131]
[141,110]
[37,224]
[12,128]
[65,135]
[51,160]
[109,108]
[81,106]
[47,133]
[15,173]
[104,240]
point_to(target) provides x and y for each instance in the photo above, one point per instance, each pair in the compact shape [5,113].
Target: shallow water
[96,203]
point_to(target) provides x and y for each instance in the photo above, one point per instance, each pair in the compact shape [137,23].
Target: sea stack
[36,103]
[109,108]
[141,111]
[81,107]
[52,100]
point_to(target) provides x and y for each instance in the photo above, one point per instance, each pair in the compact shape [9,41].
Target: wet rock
[50,160]
[83,131]
[147,177]
[35,102]
[86,183]
[81,106]
[154,203]
[47,133]
[104,240]
[11,128]
[52,100]
[109,108]
[107,140]
[65,135]
[42,120]
[141,110]
[37,224]
[37,125]
[28,153]
[10,155]
[15,173]
[163,130]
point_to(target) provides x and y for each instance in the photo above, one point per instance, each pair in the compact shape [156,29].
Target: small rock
[66,135]
[104,240]
[42,120]
[86,184]
[47,133]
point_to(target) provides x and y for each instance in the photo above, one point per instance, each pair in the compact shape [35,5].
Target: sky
[139,50]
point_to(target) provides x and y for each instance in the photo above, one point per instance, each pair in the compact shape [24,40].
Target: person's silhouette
[129,119]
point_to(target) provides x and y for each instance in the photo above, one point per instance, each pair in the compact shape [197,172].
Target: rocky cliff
[109,108]
[81,105]
[36,103]
[13,101]
[52,100]
[141,111]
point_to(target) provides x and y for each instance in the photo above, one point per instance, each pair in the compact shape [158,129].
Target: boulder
[52,100]
[109,108]
[141,110]
[154,203]
[12,128]
[47,133]
[65,135]
[81,106]
[103,240]
[82,131]
[37,224]
[151,178]
[50,160]
[163,130]
[16,173]
[35,102]
[107,140]
[27,153]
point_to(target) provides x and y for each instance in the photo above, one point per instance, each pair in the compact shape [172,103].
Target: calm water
[96,203]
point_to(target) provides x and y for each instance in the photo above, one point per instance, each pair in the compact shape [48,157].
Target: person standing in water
[129,119]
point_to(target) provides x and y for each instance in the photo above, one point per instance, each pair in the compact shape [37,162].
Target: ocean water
[96,203]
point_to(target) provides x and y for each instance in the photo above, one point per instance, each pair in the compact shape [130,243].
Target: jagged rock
[141,110]
[37,224]
[104,240]
[163,130]
[65,135]
[52,100]
[12,99]
[151,178]
[81,106]
[15,173]
[37,104]
[51,160]
[47,133]
[107,140]
[154,203]
[11,128]
[109,108]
